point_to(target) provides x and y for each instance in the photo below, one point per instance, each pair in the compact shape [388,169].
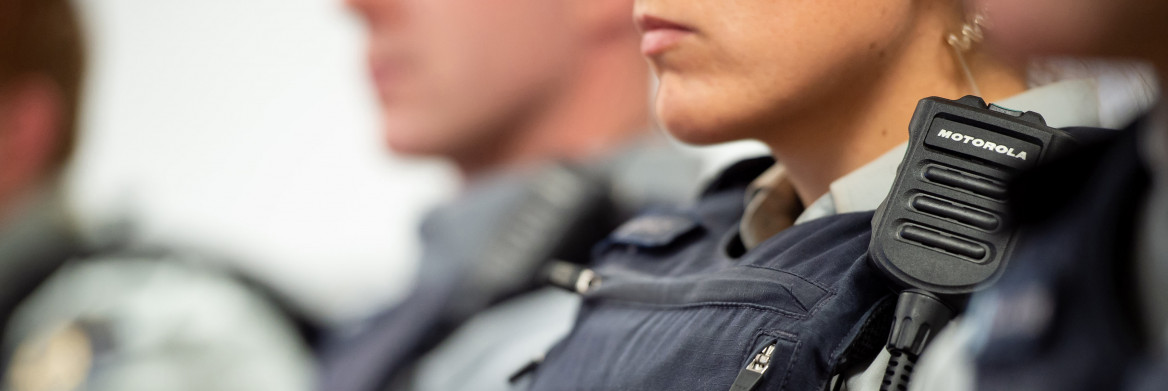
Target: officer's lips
[659,35]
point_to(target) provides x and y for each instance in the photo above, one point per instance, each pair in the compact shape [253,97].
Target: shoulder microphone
[943,231]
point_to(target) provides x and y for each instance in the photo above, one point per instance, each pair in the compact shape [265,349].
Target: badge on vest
[654,230]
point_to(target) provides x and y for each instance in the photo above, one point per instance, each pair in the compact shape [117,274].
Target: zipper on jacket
[749,377]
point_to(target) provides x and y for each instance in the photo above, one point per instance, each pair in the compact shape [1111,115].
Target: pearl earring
[971,33]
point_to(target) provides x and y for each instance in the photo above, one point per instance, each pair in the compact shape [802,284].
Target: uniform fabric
[458,277]
[474,317]
[770,210]
[156,324]
[681,305]
[1065,315]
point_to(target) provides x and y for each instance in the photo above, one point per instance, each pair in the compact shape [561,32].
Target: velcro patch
[654,230]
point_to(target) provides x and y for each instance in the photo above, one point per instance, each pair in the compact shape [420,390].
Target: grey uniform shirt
[150,324]
[772,205]
[129,324]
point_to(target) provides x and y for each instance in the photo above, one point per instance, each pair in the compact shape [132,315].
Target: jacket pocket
[742,285]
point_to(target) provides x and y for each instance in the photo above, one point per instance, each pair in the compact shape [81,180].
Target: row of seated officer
[765,284]
[768,273]
[122,320]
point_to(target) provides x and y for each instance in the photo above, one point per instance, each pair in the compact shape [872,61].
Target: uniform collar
[772,206]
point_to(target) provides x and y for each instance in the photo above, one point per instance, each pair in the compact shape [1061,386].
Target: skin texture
[829,85]
[502,82]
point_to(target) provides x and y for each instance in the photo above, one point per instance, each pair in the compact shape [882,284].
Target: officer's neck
[857,124]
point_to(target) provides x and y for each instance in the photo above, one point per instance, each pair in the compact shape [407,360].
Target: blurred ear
[606,19]
[30,120]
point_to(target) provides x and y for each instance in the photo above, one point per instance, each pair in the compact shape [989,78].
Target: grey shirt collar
[1062,104]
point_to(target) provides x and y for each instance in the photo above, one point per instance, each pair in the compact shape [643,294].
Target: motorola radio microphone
[943,233]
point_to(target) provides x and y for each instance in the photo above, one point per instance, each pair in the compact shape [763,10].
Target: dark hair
[43,38]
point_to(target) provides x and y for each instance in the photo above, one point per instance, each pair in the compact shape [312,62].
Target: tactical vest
[1065,316]
[680,305]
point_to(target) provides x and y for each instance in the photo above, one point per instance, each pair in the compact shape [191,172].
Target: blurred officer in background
[40,82]
[1084,305]
[114,322]
[543,107]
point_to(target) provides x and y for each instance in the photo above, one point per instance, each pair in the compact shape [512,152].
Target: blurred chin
[409,138]
[686,127]
[408,146]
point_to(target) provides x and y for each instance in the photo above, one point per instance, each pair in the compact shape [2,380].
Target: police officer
[543,108]
[764,284]
[1084,306]
[103,322]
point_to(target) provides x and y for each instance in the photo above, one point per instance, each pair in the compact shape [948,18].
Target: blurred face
[731,69]
[456,75]
[31,119]
[1129,28]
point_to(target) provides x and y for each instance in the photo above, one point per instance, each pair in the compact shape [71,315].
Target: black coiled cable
[899,372]
[919,316]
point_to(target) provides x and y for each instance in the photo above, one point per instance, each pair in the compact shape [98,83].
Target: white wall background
[247,127]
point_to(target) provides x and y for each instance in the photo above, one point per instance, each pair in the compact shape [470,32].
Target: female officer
[770,293]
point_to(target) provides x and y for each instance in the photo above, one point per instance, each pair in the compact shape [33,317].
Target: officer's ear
[30,127]
[605,19]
